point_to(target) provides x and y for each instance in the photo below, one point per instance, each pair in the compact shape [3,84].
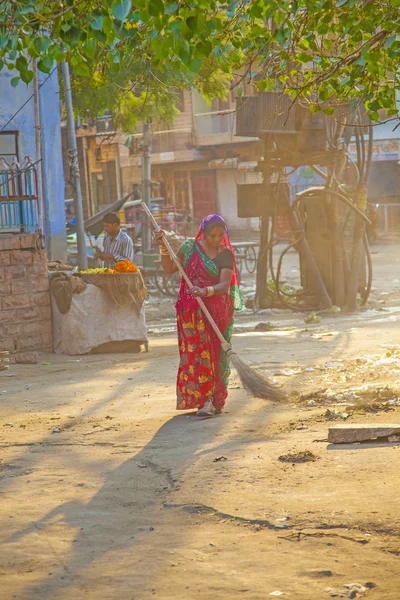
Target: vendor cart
[105,315]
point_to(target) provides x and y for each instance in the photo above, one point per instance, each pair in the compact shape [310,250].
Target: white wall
[226,181]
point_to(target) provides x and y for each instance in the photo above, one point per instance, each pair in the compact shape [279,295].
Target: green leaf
[3,41]
[45,64]
[204,48]
[21,63]
[82,69]
[41,44]
[172,8]
[374,116]
[90,48]
[122,9]
[72,35]
[27,76]
[329,110]
[191,22]
[303,57]
[97,23]
[314,108]
[155,8]
[107,25]
[196,65]
[389,41]
[13,40]
[15,81]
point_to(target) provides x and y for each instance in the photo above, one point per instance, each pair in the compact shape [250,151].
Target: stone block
[14,301]
[21,257]
[13,329]
[31,313]
[25,286]
[9,242]
[45,313]
[34,327]
[2,274]
[28,240]
[37,270]
[7,316]
[27,358]
[5,289]
[47,341]
[39,257]
[29,342]
[5,258]
[15,272]
[40,299]
[7,344]
[42,284]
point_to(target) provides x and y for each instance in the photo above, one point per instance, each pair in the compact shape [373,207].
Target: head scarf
[218,221]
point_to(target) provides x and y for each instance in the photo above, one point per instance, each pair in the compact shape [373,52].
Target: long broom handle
[176,260]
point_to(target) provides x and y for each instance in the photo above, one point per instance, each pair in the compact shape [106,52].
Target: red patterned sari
[204,369]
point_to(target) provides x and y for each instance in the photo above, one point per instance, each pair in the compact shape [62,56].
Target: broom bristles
[255,383]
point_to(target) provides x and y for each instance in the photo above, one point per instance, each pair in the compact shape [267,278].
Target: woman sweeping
[210,264]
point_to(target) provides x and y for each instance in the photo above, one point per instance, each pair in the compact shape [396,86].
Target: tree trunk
[356,255]
[262,265]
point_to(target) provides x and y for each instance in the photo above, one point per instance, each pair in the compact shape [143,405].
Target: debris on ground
[264,327]
[369,398]
[312,318]
[298,457]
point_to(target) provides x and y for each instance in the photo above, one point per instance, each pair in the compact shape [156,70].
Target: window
[9,145]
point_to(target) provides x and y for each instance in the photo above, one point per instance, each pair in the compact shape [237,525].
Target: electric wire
[28,100]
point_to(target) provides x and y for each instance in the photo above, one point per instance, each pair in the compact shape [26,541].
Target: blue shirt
[121,247]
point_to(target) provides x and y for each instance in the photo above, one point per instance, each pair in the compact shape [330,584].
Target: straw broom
[251,380]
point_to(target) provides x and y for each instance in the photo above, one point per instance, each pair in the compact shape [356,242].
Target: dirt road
[130,500]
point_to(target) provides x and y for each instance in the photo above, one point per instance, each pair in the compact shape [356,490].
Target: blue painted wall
[11,99]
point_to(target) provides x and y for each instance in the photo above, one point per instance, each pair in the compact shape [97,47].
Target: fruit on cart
[101,271]
[125,266]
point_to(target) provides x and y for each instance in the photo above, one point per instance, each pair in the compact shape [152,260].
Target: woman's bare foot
[207,410]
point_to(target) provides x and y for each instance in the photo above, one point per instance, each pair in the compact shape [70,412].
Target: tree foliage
[317,51]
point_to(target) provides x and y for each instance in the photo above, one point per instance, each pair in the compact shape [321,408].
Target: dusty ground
[132,501]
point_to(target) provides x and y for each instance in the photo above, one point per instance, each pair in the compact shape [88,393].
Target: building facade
[196,162]
[32,210]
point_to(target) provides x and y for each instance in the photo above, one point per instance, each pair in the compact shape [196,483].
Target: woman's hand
[197,292]
[159,237]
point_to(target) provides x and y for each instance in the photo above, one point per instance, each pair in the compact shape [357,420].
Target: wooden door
[203,188]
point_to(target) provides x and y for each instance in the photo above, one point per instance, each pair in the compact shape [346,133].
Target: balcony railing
[172,141]
[215,123]
[265,113]
[18,197]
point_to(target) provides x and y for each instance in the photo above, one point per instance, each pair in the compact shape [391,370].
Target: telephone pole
[74,168]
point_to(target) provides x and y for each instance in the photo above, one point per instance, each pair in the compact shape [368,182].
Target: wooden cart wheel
[250,259]
[239,260]
[172,284]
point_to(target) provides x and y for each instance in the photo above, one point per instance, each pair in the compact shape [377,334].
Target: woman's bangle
[210,290]
[164,251]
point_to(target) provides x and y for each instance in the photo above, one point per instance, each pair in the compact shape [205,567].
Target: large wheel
[172,284]
[239,260]
[250,259]
[158,279]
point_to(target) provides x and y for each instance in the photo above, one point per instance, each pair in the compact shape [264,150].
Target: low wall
[25,314]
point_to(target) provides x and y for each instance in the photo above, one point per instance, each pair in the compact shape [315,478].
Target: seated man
[117,245]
